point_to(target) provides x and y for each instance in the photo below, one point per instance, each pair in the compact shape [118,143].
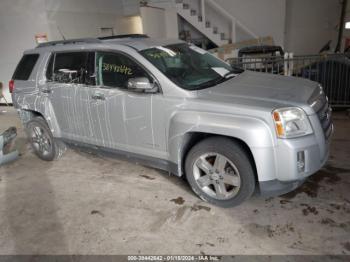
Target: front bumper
[276,188]
[285,174]
[288,176]
[315,154]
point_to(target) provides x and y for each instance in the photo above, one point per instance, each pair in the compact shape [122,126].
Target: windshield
[188,66]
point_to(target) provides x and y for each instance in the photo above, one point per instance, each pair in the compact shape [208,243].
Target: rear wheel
[220,172]
[45,146]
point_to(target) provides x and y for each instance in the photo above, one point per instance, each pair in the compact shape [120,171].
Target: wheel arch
[27,115]
[192,138]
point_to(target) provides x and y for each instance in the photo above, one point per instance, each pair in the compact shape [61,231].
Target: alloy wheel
[41,140]
[217,176]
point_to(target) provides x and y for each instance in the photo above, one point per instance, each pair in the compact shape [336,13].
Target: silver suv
[173,106]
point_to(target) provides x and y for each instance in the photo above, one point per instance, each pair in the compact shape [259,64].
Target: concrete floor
[84,204]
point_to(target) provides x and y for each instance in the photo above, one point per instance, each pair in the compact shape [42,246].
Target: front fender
[254,132]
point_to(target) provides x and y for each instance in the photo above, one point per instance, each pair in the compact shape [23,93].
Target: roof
[136,41]
[145,43]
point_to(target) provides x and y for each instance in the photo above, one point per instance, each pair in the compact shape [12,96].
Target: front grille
[324,113]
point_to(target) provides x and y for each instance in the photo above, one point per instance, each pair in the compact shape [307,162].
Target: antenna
[59,30]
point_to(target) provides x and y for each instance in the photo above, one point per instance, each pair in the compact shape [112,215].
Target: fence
[331,71]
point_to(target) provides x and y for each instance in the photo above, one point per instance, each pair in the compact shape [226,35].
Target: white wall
[218,20]
[300,26]
[159,22]
[80,18]
[129,25]
[171,23]
[310,24]
[20,20]
[263,17]
[153,21]
[18,25]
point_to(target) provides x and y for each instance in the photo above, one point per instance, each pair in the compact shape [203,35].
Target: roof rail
[123,36]
[90,40]
[70,41]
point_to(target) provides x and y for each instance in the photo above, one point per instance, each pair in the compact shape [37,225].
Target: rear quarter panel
[27,96]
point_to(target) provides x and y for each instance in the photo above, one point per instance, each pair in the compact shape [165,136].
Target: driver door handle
[98,96]
[46,90]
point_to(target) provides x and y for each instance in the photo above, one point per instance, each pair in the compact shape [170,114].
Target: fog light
[301,161]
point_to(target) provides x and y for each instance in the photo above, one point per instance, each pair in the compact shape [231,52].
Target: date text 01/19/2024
[174,258]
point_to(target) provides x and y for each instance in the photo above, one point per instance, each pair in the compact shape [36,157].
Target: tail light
[11,85]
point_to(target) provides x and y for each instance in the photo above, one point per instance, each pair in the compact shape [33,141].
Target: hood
[263,89]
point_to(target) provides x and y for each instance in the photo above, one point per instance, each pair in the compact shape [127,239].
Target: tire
[220,172]
[45,146]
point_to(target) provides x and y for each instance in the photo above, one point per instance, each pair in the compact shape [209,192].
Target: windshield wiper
[212,82]
[234,72]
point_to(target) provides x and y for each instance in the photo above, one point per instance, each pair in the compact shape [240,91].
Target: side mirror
[141,84]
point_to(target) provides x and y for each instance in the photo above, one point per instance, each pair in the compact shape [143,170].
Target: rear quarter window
[25,67]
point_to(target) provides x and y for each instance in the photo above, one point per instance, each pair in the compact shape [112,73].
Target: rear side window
[72,67]
[25,67]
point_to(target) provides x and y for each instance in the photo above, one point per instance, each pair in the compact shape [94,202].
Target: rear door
[69,79]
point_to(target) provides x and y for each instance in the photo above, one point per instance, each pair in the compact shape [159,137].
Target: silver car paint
[159,125]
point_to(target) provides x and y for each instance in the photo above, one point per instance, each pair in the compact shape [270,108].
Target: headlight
[291,122]
[322,91]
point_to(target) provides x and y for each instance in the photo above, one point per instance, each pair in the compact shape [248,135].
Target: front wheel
[220,172]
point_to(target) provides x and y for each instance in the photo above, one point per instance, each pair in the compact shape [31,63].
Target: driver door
[122,118]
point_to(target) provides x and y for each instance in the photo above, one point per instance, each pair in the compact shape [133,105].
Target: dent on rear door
[70,104]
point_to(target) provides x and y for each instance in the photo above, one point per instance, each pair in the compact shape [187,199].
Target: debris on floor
[178,201]
[7,153]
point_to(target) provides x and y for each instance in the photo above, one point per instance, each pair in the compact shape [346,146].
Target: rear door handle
[98,97]
[46,91]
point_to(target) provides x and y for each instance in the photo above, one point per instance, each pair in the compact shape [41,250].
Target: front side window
[71,67]
[114,70]
[189,66]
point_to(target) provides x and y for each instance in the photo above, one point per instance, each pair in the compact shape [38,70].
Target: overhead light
[347,25]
